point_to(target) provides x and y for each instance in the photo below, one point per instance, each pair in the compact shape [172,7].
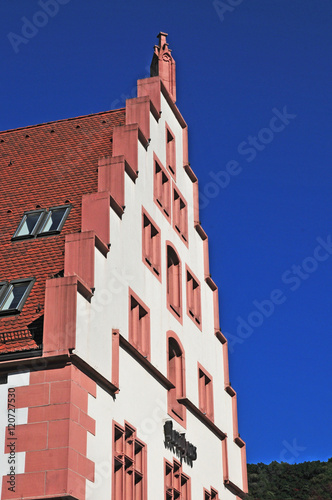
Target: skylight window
[42,222]
[29,224]
[54,220]
[13,295]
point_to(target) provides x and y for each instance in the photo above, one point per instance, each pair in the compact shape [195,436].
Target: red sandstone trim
[96,215]
[129,348]
[225,460]
[201,231]
[225,363]
[55,438]
[220,336]
[180,419]
[177,314]
[111,178]
[208,396]
[203,418]
[185,151]
[139,328]
[170,151]
[180,220]
[115,358]
[198,301]
[80,256]
[234,489]
[155,267]
[162,195]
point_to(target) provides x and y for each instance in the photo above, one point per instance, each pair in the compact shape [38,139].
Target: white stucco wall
[21,417]
[142,400]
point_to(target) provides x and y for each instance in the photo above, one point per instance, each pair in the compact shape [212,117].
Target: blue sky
[254,85]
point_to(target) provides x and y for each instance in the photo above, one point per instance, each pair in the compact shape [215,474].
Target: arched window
[176,374]
[173,282]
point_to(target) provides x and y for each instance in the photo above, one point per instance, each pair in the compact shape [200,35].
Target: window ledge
[118,209]
[190,173]
[128,347]
[200,231]
[220,336]
[234,489]
[209,281]
[202,417]
[229,389]
[84,289]
[101,246]
[239,441]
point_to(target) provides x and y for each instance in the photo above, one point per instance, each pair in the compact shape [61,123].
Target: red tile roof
[43,166]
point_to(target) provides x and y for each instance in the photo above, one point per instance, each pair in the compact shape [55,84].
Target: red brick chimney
[163,65]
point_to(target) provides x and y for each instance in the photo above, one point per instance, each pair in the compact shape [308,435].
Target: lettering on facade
[177,443]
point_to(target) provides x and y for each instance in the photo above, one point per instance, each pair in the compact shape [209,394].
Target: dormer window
[13,295]
[41,222]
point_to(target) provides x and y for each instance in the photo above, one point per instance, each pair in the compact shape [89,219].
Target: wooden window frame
[175,480]
[180,214]
[176,373]
[139,324]
[194,306]
[174,282]
[205,392]
[161,187]
[170,152]
[151,244]
[128,458]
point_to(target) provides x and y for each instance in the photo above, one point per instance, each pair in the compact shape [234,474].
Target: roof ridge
[61,120]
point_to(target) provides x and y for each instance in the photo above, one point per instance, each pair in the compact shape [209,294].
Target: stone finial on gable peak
[163,65]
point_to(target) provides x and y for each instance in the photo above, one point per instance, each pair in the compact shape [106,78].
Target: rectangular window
[174,289]
[211,495]
[193,298]
[13,295]
[29,224]
[41,222]
[139,325]
[151,243]
[170,152]
[54,220]
[180,215]
[129,464]
[162,189]
[205,392]
[177,484]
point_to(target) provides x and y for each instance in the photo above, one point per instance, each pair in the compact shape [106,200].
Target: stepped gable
[44,166]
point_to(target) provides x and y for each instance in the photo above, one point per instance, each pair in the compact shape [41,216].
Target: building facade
[114,377]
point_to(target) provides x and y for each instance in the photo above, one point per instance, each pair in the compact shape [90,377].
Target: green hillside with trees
[283,481]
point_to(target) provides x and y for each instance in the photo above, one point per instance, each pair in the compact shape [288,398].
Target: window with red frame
[170,151]
[205,391]
[129,464]
[177,484]
[211,495]
[139,325]
[173,281]
[193,298]
[151,245]
[176,376]
[162,189]
[180,215]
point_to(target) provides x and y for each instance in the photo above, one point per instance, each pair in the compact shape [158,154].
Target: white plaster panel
[21,417]
[142,402]
[109,308]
